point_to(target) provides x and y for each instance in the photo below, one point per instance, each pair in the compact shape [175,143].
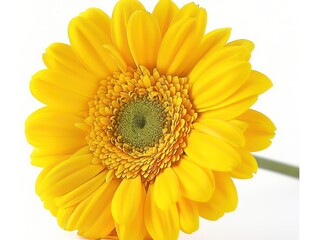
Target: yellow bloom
[147,122]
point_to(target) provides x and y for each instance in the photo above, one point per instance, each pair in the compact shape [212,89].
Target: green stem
[278,167]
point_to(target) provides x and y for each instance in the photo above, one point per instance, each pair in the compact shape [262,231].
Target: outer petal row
[164,12]
[120,17]
[53,130]
[181,39]
[223,200]
[144,38]
[93,29]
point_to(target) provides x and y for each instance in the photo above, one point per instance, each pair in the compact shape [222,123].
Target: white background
[268,204]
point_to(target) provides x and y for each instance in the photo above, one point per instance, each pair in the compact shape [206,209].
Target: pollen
[140,122]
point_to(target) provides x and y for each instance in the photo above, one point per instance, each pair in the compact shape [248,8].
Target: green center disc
[141,123]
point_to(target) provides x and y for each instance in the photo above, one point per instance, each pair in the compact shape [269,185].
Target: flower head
[147,121]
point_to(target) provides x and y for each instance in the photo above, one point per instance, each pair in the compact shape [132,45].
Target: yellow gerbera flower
[147,121]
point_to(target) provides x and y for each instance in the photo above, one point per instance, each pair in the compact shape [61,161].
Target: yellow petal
[120,17]
[228,112]
[117,57]
[242,99]
[164,12]
[45,157]
[101,227]
[54,89]
[67,82]
[211,153]
[243,43]
[225,195]
[222,130]
[195,183]
[69,175]
[73,180]
[191,10]
[166,189]
[181,40]
[54,130]
[144,38]
[134,230]
[247,167]
[256,84]
[61,57]
[259,132]
[208,63]
[161,224]
[93,215]
[39,187]
[51,206]
[100,19]
[127,200]
[81,192]
[172,44]
[210,43]
[219,82]
[188,215]
[87,40]
[63,215]
[224,198]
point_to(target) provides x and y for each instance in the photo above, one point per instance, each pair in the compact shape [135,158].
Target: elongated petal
[228,112]
[195,184]
[223,200]
[172,44]
[243,43]
[204,66]
[117,57]
[63,215]
[161,224]
[51,206]
[54,130]
[191,10]
[69,175]
[219,83]
[257,83]
[93,215]
[39,186]
[188,215]
[74,180]
[226,195]
[101,227]
[211,42]
[120,17]
[166,189]
[54,89]
[259,132]
[181,39]
[211,153]
[100,19]
[127,200]
[46,157]
[61,57]
[81,192]
[222,130]
[67,82]
[144,38]
[87,40]
[247,167]
[164,12]
[136,229]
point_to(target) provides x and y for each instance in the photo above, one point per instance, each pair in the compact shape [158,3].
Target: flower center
[140,123]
